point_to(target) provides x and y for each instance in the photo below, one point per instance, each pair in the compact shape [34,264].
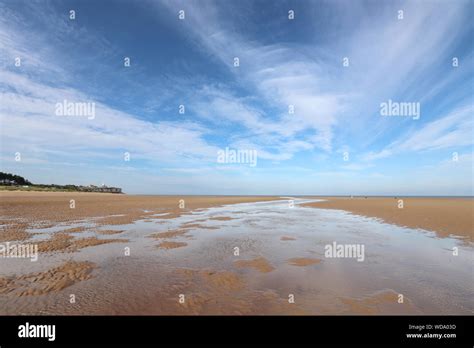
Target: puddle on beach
[281,255]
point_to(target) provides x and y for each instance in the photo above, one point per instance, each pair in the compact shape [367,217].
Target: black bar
[224,330]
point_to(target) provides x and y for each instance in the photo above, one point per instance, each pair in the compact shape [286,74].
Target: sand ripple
[41,283]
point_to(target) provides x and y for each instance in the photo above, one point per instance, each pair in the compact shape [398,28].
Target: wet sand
[42,283]
[285,238]
[303,261]
[171,245]
[220,255]
[65,242]
[260,264]
[20,210]
[445,216]
[55,206]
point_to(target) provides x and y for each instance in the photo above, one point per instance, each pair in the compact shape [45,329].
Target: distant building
[93,188]
[7,182]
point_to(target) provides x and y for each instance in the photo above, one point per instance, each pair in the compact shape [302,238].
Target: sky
[298,84]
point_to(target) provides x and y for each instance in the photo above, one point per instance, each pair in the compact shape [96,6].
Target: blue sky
[335,142]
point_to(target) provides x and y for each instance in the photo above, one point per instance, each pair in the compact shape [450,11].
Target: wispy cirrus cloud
[278,73]
[453,130]
[331,102]
[32,117]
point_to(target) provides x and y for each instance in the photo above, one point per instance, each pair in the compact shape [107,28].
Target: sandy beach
[445,216]
[55,206]
[192,255]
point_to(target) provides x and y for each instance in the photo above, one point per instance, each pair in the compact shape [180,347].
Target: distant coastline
[11,182]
